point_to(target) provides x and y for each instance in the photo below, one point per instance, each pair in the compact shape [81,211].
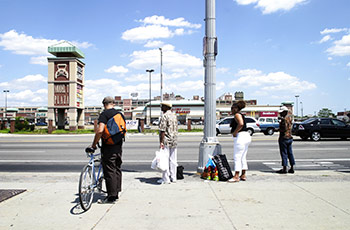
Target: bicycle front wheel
[86,187]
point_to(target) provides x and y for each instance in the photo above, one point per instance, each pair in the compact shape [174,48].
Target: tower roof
[65,49]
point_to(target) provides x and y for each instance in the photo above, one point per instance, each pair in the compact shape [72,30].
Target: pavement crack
[326,201]
[222,206]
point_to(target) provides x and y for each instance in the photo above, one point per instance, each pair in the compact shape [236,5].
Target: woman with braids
[241,140]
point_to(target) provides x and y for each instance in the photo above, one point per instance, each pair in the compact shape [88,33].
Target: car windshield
[310,120]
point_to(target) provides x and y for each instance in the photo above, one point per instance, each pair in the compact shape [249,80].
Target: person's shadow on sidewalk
[152,180]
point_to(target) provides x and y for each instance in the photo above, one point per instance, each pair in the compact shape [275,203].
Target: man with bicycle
[111,154]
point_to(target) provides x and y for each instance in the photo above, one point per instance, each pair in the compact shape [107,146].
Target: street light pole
[6,91]
[209,145]
[296,97]
[301,108]
[161,74]
[150,97]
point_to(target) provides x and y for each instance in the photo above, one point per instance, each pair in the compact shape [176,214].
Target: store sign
[269,114]
[80,72]
[61,94]
[41,114]
[181,111]
[79,95]
[132,124]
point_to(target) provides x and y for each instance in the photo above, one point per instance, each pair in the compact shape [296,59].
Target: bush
[21,124]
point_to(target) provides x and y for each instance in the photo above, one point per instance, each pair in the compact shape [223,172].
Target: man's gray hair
[108,100]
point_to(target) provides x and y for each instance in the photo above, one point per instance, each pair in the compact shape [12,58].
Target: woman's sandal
[243,178]
[233,180]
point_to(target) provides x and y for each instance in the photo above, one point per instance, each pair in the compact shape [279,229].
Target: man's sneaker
[291,171]
[161,181]
[107,200]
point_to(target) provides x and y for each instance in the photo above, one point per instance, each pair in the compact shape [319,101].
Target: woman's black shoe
[291,171]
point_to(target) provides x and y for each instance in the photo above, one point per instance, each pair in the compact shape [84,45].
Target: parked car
[41,123]
[317,128]
[155,122]
[223,126]
[268,125]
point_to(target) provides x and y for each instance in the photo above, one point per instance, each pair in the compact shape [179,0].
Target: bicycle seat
[89,150]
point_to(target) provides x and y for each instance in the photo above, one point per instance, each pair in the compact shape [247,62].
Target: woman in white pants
[241,140]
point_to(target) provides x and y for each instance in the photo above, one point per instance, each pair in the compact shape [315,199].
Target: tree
[325,112]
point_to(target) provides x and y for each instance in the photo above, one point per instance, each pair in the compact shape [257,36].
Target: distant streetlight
[6,91]
[301,108]
[161,74]
[296,97]
[150,100]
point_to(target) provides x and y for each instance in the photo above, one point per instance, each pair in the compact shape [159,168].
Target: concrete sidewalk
[305,200]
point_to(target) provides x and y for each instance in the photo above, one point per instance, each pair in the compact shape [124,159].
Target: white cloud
[28,90]
[23,44]
[334,30]
[270,83]
[330,58]
[348,65]
[340,47]
[161,20]
[32,78]
[325,39]
[117,69]
[154,44]
[157,27]
[272,6]
[144,33]
[41,60]
[173,61]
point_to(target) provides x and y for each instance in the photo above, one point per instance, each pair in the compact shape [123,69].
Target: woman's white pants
[240,149]
[170,173]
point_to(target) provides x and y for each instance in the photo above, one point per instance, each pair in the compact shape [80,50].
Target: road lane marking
[21,151]
[266,162]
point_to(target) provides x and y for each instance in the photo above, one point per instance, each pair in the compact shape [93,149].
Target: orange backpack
[115,130]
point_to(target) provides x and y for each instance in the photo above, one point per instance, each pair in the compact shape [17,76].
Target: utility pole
[161,74]
[5,91]
[296,97]
[209,145]
[150,95]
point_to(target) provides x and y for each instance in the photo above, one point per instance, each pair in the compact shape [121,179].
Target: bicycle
[89,181]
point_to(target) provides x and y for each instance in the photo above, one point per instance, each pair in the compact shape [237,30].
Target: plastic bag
[160,161]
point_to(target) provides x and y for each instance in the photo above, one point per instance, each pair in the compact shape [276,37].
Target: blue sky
[271,50]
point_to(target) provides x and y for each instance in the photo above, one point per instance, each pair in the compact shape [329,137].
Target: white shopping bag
[160,161]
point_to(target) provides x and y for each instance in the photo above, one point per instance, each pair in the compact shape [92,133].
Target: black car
[317,128]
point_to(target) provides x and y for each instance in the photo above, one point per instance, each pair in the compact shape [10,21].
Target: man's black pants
[111,162]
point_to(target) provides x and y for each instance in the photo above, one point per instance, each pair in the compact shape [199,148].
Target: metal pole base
[207,148]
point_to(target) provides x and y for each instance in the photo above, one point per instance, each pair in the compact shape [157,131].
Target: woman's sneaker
[161,181]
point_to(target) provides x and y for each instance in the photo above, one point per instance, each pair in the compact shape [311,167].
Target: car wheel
[344,138]
[270,131]
[217,132]
[250,131]
[315,136]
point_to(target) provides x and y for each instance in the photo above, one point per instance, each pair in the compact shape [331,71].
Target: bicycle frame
[92,165]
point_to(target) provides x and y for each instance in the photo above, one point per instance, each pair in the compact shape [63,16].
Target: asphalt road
[65,153]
